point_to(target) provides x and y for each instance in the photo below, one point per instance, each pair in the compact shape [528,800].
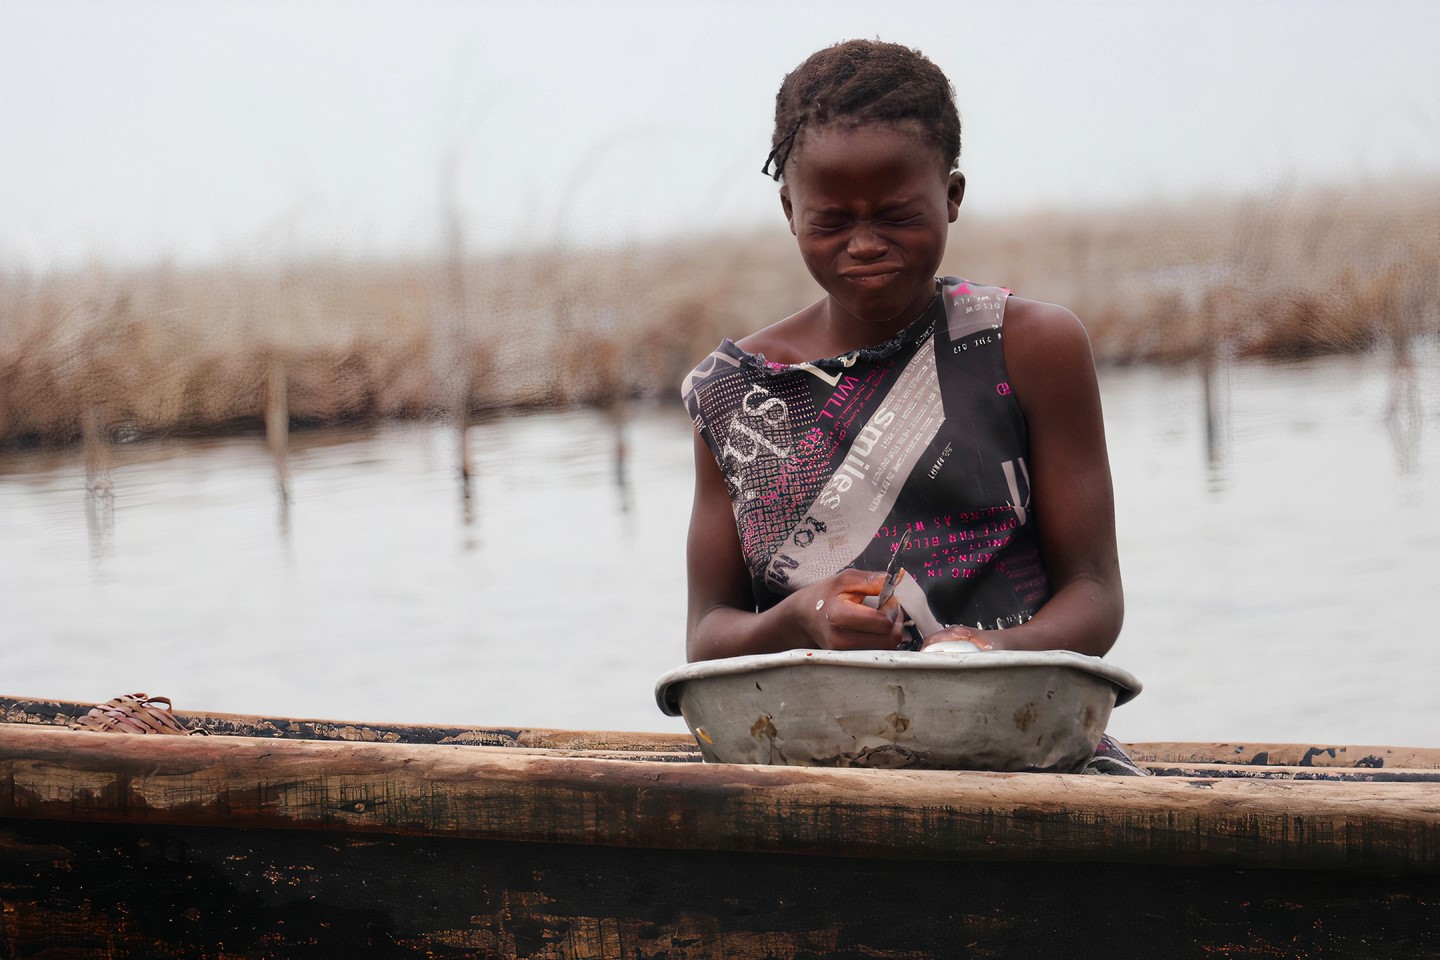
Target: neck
[846,327]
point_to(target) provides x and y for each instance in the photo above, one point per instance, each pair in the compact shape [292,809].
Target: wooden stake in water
[277,426]
[1214,355]
[452,360]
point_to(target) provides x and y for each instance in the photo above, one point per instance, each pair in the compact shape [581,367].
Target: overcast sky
[137,131]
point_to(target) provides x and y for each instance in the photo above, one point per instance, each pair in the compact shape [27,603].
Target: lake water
[1276,578]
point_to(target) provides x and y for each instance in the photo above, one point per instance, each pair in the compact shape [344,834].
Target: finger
[892,602]
[895,614]
[898,633]
[857,618]
[845,616]
[865,583]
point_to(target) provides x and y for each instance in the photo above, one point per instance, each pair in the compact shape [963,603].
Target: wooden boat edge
[498,793]
[682,746]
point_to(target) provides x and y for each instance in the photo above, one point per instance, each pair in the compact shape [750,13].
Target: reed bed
[165,350]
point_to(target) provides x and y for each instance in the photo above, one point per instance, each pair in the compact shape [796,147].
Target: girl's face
[871,207]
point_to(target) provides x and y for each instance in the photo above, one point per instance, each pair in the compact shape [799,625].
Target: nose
[866,242]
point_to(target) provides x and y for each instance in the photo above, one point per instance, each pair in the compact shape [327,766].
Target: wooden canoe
[277,837]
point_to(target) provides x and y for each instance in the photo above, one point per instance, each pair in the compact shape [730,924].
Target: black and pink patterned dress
[917,441]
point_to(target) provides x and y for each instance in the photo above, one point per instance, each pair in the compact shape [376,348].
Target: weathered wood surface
[51,773]
[62,712]
[1331,774]
[386,840]
[79,890]
[1288,754]
[1161,756]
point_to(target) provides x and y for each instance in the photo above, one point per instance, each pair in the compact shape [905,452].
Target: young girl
[942,418]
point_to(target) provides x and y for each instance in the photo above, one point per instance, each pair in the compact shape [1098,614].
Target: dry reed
[164,350]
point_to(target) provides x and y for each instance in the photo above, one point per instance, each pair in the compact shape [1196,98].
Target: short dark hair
[864,81]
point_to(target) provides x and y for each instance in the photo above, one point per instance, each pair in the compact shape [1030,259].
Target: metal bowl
[996,710]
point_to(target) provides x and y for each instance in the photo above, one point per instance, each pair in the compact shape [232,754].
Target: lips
[871,277]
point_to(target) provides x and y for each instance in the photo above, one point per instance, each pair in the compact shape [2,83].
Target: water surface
[1276,579]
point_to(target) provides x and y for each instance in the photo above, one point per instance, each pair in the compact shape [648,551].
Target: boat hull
[626,846]
[105,890]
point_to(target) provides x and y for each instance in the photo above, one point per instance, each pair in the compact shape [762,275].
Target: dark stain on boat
[1025,717]
[1309,759]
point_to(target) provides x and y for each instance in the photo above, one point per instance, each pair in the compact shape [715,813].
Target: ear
[785,205]
[954,193]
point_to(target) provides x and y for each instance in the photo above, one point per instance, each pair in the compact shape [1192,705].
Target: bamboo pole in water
[97,451]
[452,359]
[277,425]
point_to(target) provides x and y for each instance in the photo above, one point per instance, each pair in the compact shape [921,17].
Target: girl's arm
[1052,374]
[722,618]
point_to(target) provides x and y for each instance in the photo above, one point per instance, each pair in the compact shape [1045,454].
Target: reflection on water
[99,487]
[1284,599]
[1403,410]
[371,597]
[100,521]
[1276,562]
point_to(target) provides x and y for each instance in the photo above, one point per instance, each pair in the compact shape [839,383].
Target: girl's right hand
[834,616]
[722,617]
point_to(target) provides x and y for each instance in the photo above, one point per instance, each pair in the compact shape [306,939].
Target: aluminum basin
[995,710]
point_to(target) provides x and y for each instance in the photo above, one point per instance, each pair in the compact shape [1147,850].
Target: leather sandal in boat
[133,713]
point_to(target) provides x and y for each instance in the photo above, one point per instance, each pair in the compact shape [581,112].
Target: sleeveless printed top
[916,442]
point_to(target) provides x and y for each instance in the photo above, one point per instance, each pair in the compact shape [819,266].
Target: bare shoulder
[1047,350]
[786,341]
[1033,326]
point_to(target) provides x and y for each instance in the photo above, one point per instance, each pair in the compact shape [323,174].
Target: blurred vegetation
[166,350]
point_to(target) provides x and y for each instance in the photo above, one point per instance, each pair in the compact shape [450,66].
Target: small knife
[892,571]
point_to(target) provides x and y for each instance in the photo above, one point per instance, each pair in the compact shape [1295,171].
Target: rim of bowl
[667,695]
